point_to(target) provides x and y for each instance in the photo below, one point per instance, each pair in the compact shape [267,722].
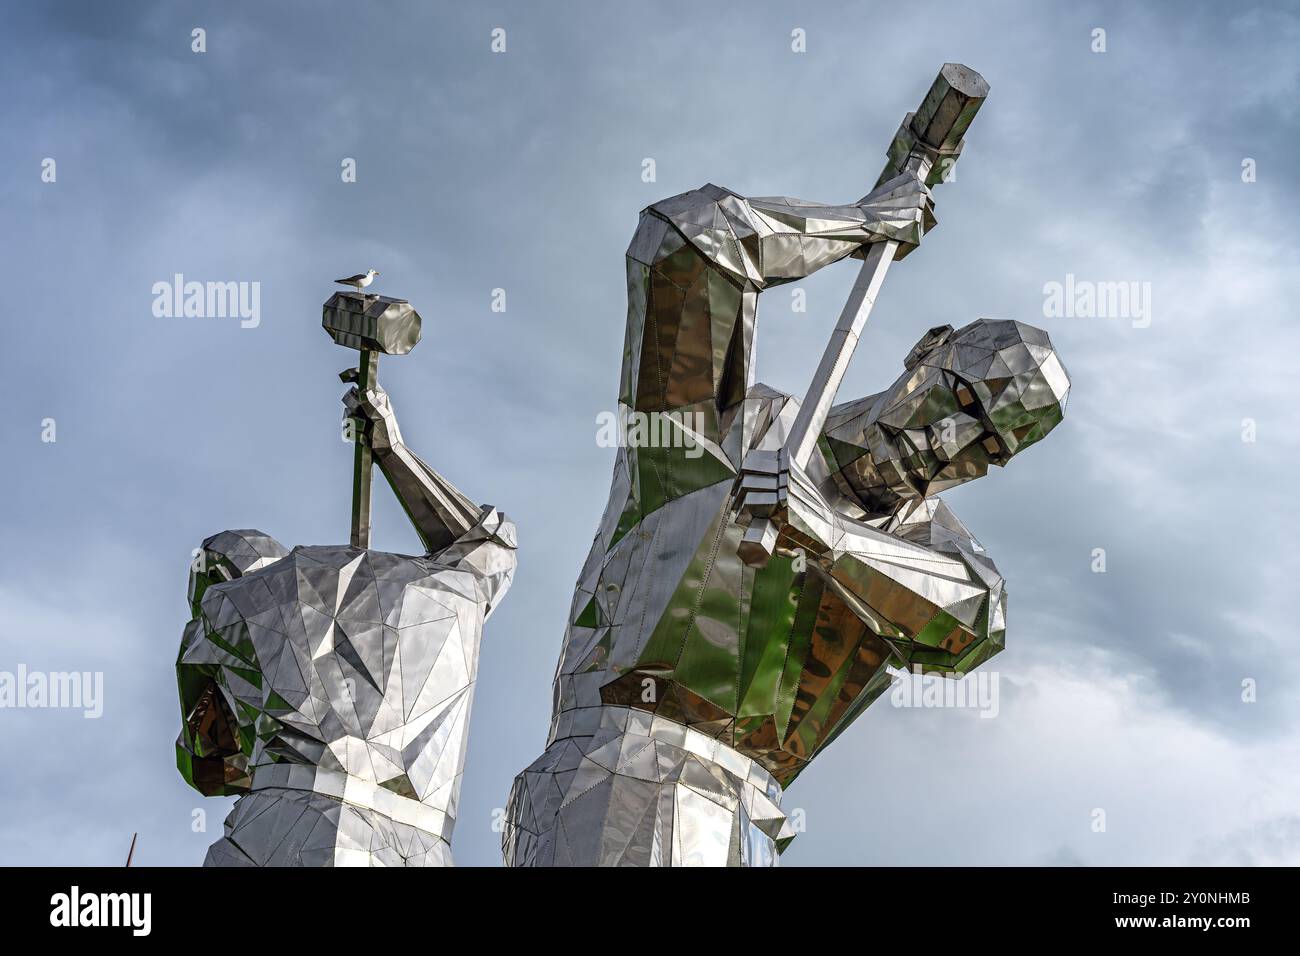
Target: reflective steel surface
[672,636]
[331,686]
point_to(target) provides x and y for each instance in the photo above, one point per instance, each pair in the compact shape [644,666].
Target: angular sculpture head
[967,399]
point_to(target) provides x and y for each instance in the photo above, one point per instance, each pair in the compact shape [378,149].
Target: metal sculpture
[331,686]
[741,607]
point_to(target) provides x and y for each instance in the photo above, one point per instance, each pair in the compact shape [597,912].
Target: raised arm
[802,237]
[770,240]
[440,513]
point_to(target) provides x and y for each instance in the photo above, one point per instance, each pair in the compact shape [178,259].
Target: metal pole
[362,472]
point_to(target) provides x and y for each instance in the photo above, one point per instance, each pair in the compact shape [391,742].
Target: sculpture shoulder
[716,223]
[679,217]
[488,550]
[682,206]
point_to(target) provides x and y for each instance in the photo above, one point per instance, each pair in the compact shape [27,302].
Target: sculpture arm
[439,511]
[921,582]
[981,619]
[798,237]
[769,240]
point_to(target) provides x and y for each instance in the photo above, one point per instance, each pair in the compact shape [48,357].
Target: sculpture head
[983,393]
[967,399]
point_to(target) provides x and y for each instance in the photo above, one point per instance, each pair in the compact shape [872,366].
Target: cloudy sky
[1121,691]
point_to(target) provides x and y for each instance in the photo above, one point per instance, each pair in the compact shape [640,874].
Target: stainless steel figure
[331,686]
[692,688]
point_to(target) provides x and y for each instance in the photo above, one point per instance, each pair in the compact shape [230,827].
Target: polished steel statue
[330,686]
[741,606]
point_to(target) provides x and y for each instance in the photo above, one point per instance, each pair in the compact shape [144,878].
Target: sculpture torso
[666,617]
[673,632]
[347,677]
[670,633]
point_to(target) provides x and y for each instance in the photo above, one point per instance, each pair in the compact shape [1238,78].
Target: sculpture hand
[762,483]
[903,209]
[375,414]
[760,500]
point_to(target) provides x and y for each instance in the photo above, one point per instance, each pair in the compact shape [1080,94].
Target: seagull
[361,280]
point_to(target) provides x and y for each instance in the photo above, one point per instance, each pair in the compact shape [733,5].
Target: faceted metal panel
[688,677]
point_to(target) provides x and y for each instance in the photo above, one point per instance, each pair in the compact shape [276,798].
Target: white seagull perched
[361,280]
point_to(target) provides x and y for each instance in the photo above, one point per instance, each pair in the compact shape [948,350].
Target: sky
[1147,712]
